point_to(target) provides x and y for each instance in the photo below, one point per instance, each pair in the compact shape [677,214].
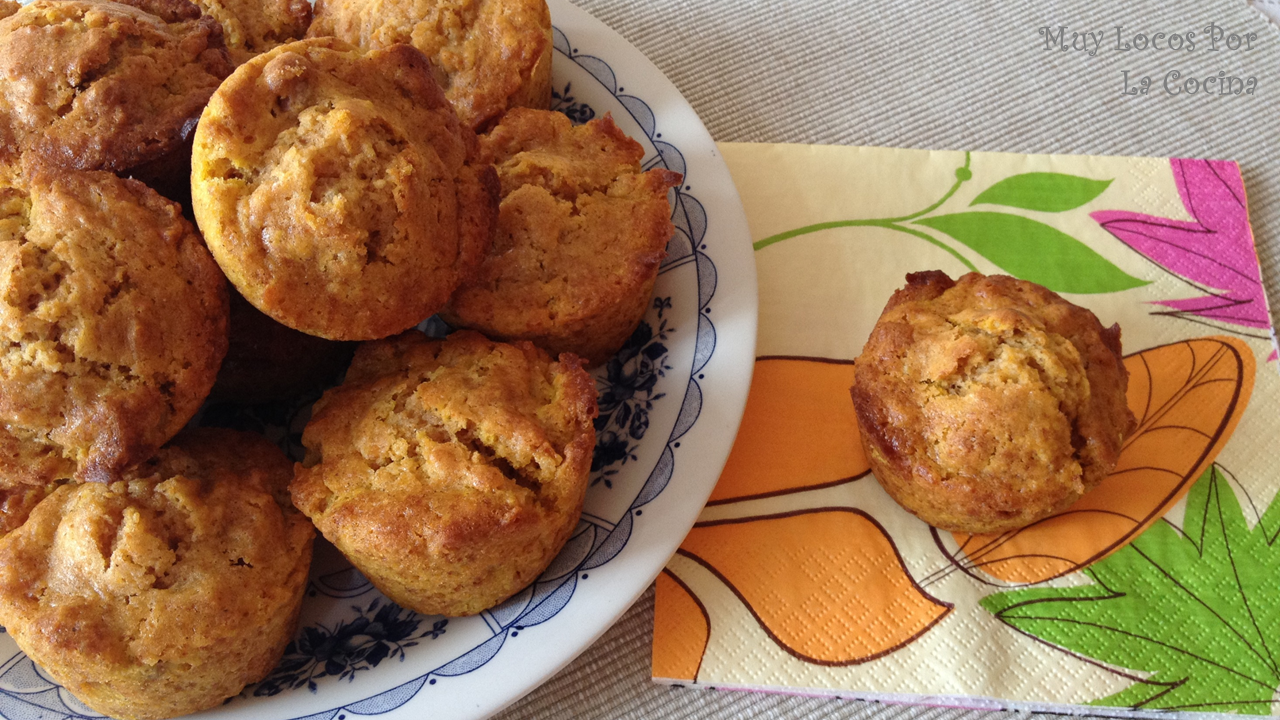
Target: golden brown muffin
[101,85]
[581,233]
[489,55]
[988,403]
[252,27]
[115,320]
[169,591]
[268,362]
[7,8]
[333,188]
[17,501]
[449,472]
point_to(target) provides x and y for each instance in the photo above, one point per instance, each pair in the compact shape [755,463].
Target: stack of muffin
[351,176]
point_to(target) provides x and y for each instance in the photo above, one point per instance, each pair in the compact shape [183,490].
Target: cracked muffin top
[333,187]
[449,472]
[168,591]
[115,320]
[989,402]
[581,234]
[252,27]
[102,85]
[488,55]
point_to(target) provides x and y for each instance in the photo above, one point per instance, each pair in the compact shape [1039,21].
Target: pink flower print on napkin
[1215,252]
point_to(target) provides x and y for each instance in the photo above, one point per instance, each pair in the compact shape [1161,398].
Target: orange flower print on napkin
[681,629]
[798,431]
[827,584]
[1188,398]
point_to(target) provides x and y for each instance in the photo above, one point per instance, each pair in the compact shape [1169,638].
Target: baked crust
[333,188]
[115,318]
[169,591]
[17,501]
[252,27]
[581,235]
[97,85]
[450,472]
[489,55]
[987,403]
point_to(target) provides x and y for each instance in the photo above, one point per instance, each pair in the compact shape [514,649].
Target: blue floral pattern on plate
[380,631]
[563,101]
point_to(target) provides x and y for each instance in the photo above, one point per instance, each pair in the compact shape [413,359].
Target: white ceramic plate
[670,405]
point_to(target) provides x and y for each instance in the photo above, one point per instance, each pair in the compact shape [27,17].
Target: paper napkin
[1158,590]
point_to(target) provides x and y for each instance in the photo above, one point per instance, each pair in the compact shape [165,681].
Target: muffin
[252,27]
[101,85]
[17,501]
[114,318]
[988,403]
[581,234]
[7,8]
[268,362]
[333,187]
[450,472]
[167,592]
[489,55]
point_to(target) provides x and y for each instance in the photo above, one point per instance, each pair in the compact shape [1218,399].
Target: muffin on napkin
[987,403]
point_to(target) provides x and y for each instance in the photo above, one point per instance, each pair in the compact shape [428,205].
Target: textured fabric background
[956,75]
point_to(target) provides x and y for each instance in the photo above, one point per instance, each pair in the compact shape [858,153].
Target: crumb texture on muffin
[114,316]
[581,235]
[450,472]
[166,592]
[252,27]
[17,500]
[489,55]
[95,85]
[989,402]
[332,187]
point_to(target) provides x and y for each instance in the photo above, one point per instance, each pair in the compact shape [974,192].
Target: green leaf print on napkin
[1024,248]
[1034,251]
[1042,191]
[1194,613]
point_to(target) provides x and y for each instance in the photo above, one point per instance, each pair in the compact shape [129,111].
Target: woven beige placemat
[959,75]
